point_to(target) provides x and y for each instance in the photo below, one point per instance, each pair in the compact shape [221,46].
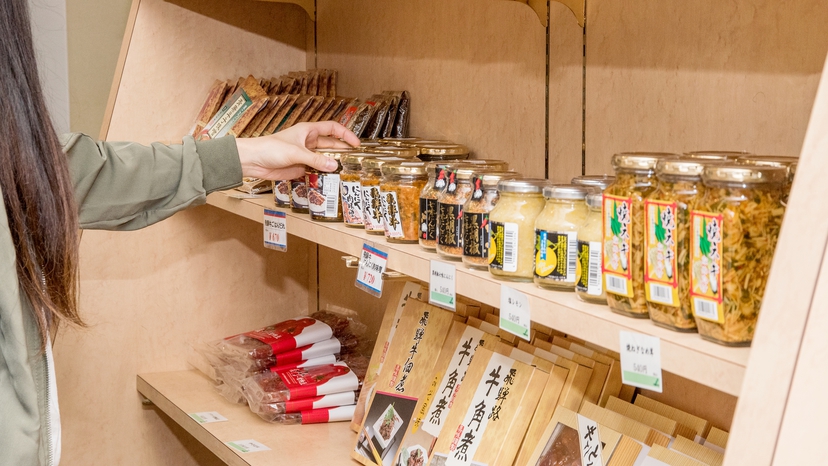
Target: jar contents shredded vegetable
[781,161]
[556,237]
[351,188]
[476,231]
[450,212]
[590,285]
[512,226]
[400,194]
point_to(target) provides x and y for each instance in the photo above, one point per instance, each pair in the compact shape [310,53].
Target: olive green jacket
[118,186]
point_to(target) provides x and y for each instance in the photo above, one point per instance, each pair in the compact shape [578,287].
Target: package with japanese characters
[600,371]
[577,379]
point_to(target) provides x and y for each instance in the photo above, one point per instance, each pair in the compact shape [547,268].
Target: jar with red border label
[781,161]
[351,188]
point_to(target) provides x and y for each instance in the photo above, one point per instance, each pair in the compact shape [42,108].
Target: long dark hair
[34,178]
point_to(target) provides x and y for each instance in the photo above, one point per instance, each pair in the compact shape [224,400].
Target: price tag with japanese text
[641,361]
[441,285]
[590,442]
[372,263]
[207,417]
[515,316]
[275,230]
[247,446]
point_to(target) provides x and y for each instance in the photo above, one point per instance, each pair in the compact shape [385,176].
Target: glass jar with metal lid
[435,152]
[394,151]
[399,142]
[324,200]
[733,230]
[712,155]
[370,178]
[556,237]
[351,188]
[476,232]
[623,211]
[590,285]
[281,193]
[599,182]
[667,241]
[400,190]
[299,195]
[366,143]
[786,162]
[450,208]
[512,227]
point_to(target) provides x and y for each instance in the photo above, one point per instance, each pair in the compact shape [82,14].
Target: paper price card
[590,442]
[247,446]
[515,316]
[372,264]
[641,361]
[207,417]
[275,230]
[442,285]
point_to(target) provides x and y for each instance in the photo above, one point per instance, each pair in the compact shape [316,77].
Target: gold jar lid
[723,155]
[744,174]
[398,142]
[523,185]
[404,168]
[354,159]
[466,171]
[594,181]
[500,165]
[489,180]
[595,199]
[681,166]
[638,161]
[363,143]
[335,154]
[441,142]
[566,192]
[394,151]
[442,150]
[376,163]
[783,161]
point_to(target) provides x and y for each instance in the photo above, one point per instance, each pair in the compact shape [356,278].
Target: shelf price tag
[275,230]
[207,417]
[515,316]
[641,361]
[442,285]
[371,266]
[590,442]
[247,446]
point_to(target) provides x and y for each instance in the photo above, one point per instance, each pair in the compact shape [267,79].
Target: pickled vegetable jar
[512,227]
[324,201]
[556,237]
[623,228]
[399,142]
[667,242]
[369,179]
[590,285]
[599,182]
[714,155]
[351,188]
[733,231]
[788,163]
[400,190]
[476,230]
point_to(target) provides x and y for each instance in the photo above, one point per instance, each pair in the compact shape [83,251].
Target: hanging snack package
[234,116]
[405,378]
[381,105]
[491,412]
[458,350]
[388,127]
[401,119]
[210,106]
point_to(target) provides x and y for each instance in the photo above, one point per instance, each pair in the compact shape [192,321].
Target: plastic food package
[272,411]
[315,416]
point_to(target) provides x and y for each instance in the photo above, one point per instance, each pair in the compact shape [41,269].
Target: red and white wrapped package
[321,360]
[270,411]
[316,416]
[305,353]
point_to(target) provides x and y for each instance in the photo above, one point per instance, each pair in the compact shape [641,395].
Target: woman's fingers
[333,129]
[325,142]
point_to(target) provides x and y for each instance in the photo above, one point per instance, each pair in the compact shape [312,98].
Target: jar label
[503,248]
[441,178]
[660,269]
[617,229]
[428,219]
[477,188]
[323,194]
[475,234]
[351,192]
[391,215]
[556,255]
[451,181]
[372,205]
[450,221]
[706,266]
[298,193]
[281,193]
[589,273]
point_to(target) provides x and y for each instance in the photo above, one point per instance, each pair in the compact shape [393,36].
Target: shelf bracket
[577,7]
[307,5]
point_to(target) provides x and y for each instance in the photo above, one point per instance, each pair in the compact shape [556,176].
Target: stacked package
[301,370]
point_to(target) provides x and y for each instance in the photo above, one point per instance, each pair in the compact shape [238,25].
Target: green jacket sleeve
[127,186]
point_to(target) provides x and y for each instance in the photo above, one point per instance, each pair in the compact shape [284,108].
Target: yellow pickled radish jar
[512,228]
[556,237]
[590,285]
[734,230]
[623,230]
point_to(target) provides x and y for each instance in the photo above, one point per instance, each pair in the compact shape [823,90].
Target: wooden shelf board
[180,393]
[683,354]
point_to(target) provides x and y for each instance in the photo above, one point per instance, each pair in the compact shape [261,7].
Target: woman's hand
[284,155]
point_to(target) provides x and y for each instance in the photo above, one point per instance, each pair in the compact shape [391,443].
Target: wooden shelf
[180,393]
[686,355]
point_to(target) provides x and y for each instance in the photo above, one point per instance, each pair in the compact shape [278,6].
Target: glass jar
[399,142]
[400,193]
[437,176]
[281,193]
[599,182]
[450,210]
[364,144]
[476,230]
[351,188]
[623,230]
[512,227]
[734,231]
[299,195]
[369,179]
[324,201]
[433,152]
[590,285]
[667,242]
[394,151]
[556,237]
[786,162]
[714,155]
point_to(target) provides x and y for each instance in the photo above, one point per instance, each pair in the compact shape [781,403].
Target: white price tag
[247,446]
[371,266]
[515,316]
[275,230]
[591,447]
[207,417]
[442,285]
[641,361]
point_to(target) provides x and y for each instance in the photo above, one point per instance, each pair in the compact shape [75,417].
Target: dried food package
[234,116]
[375,125]
[210,106]
[577,380]
[277,102]
[313,106]
[260,121]
[280,115]
[324,76]
[275,412]
[343,111]
[255,185]
[292,117]
[360,121]
[313,416]
[333,109]
[332,83]
[388,126]
[313,83]
[401,119]
[323,107]
[350,112]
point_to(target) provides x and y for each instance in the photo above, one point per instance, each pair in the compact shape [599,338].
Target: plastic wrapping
[271,411]
[314,416]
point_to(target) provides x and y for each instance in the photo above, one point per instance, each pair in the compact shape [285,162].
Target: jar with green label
[400,190]
[351,188]
[476,232]
[667,242]
[623,230]
[590,285]
[370,178]
[734,230]
[512,227]
[599,182]
[556,237]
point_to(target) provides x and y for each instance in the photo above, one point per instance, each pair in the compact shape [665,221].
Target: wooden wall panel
[476,70]
[678,76]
